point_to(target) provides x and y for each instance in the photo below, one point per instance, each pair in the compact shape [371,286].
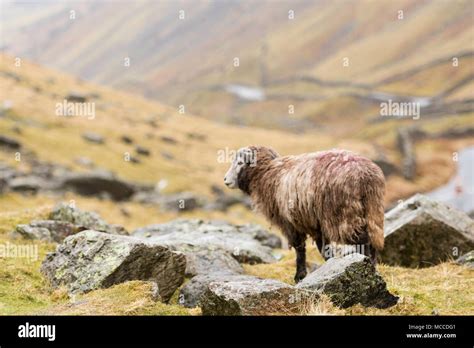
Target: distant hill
[293,51]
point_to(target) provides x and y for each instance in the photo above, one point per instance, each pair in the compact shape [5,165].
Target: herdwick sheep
[335,197]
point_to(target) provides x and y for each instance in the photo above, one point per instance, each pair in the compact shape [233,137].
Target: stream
[459,191]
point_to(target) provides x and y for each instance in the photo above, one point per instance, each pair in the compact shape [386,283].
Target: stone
[204,260]
[250,295]
[218,235]
[467,259]
[421,232]
[180,202]
[93,138]
[190,294]
[76,97]
[84,220]
[91,260]
[28,183]
[9,143]
[46,230]
[350,280]
[142,150]
[168,139]
[96,183]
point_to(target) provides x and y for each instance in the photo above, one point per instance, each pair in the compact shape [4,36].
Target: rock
[191,293]
[350,280]
[84,219]
[76,97]
[47,230]
[84,162]
[388,168]
[209,234]
[421,232]
[405,145]
[90,260]
[9,143]
[167,155]
[467,259]
[180,202]
[126,139]
[169,140]
[98,182]
[204,260]
[142,150]
[196,136]
[250,295]
[257,232]
[28,184]
[223,201]
[93,138]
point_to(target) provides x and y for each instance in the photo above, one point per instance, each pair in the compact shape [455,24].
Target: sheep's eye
[240,163]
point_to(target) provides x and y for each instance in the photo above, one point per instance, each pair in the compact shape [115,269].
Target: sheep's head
[246,157]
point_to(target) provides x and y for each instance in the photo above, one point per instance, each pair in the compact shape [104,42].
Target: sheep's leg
[320,245]
[373,255]
[300,248]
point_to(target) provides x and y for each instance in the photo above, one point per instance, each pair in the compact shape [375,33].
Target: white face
[244,157]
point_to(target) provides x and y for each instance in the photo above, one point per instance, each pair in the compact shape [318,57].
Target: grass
[443,289]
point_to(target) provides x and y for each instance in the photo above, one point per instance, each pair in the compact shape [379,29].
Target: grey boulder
[205,234]
[350,280]
[466,259]
[248,295]
[421,232]
[46,230]
[84,220]
[90,260]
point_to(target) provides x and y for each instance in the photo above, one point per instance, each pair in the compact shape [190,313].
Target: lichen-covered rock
[90,260]
[350,280]
[84,219]
[257,232]
[218,235]
[421,232]
[467,259]
[47,230]
[250,295]
[204,260]
[190,294]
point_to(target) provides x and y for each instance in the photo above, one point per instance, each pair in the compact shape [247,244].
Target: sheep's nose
[226,182]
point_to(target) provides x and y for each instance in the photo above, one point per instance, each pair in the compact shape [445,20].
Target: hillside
[295,61]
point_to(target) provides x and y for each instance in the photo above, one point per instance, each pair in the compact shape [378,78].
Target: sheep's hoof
[300,276]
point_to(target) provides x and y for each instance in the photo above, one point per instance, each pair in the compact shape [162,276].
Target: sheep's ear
[274,154]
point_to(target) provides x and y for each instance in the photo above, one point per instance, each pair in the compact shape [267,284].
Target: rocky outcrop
[84,220]
[47,230]
[9,143]
[406,147]
[190,294]
[98,183]
[467,259]
[93,138]
[349,280]
[248,295]
[218,235]
[421,232]
[90,260]
[205,260]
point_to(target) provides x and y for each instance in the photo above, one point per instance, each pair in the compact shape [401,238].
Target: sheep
[336,197]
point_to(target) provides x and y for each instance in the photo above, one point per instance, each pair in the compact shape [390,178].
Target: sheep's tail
[375,215]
